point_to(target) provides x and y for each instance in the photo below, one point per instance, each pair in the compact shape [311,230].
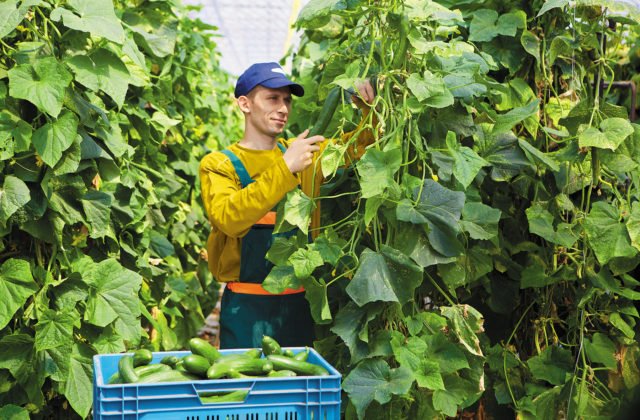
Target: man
[240,187]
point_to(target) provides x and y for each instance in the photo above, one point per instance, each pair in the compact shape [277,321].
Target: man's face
[267,109]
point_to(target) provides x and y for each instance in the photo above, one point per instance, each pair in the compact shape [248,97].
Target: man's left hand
[364,94]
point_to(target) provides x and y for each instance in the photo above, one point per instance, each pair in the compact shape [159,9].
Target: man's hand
[299,155]
[364,95]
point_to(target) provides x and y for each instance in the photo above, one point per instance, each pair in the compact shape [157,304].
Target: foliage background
[105,111]
[483,254]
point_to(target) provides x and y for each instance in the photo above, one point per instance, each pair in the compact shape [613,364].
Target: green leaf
[466,162]
[70,160]
[281,249]
[349,325]
[109,341]
[94,16]
[505,122]
[52,139]
[157,29]
[411,353]
[536,156]
[617,321]
[480,220]
[43,84]
[553,365]
[298,208]
[305,261]
[551,4]
[414,243]
[600,349]
[541,224]
[79,384]
[329,245]
[97,208]
[17,355]
[376,169]
[449,356]
[374,380]
[16,286]
[389,276]
[483,25]
[281,278]
[13,196]
[633,225]
[430,89]
[607,236]
[612,133]
[12,15]
[535,276]
[316,294]
[160,245]
[531,44]
[332,158]
[113,294]
[55,328]
[501,151]
[466,323]
[102,70]
[13,412]
[442,209]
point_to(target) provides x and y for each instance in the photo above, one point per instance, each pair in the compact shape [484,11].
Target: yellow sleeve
[232,209]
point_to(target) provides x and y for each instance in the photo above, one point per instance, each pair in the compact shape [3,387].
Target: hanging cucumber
[403,32]
[328,109]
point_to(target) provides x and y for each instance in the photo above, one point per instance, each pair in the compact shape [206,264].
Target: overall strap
[241,171]
[281,147]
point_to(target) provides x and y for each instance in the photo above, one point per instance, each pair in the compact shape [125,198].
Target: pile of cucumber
[206,362]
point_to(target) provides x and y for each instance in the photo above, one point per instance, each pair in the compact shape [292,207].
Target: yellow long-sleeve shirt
[232,210]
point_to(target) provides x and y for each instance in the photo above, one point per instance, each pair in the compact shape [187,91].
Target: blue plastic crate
[296,398]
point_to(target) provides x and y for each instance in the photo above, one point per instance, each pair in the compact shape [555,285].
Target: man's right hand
[299,155]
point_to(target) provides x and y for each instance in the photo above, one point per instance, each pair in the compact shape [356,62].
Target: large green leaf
[486,24]
[375,380]
[79,384]
[607,236]
[281,278]
[601,349]
[13,12]
[304,261]
[388,276]
[465,323]
[316,10]
[298,208]
[449,356]
[94,16]
[412,354]
[415,244]
[53,138]
[16,286]
[553,365]
[538,157]
[430,89]
[551,4]
[376,169]
[102,70]
[97,208]
[466,162]
[612,133]
[505,122]
[441,208]
[502,152]
[43,84]
[14,412]
[17,355]
[541,224]
[113,294]
[13,196]
[351,326]
[157,29]
[55,329]
[316,294]
[480,220]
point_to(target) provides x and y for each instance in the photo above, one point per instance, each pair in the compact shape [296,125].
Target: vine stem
[504,353]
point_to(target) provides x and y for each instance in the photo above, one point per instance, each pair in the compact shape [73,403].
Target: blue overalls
[244,316]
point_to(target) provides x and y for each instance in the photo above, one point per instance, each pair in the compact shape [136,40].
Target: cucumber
[253,353]
[125,369]
[270,346]
[234,396]
[170,360]
[243,365]
[234,374]
[403,44]
[288,353]
[143,371]
[114,379]
[203,348]
[142,357]
[167,376]
[299,367]
[281,374]
[196,364]
[327,111]
[303,355]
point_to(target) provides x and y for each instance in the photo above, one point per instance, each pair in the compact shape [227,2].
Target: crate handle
[223,397]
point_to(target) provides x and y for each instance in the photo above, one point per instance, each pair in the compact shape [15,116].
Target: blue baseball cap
[269,75]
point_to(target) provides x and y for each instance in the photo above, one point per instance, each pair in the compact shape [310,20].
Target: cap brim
[296,89]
